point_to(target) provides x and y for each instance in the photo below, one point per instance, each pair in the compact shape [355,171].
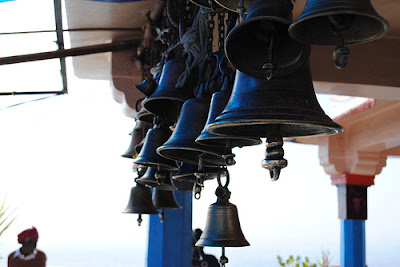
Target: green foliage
[298,262]
[295,262]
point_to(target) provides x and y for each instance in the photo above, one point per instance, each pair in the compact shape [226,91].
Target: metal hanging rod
[78,51]
[74,30]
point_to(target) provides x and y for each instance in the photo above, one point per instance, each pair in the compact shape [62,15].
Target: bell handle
[226,176]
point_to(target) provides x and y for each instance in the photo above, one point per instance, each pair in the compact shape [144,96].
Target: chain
[221,31]
[211,26]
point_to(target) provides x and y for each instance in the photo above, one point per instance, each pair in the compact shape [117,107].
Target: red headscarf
[28,233]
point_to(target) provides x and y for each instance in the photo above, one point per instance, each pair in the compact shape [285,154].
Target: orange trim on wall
[353,179]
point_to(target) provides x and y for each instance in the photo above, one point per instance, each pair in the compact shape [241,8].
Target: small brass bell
[137,135]
[148,156]
[140,202]
[261,47]
[181,146]
[222,226]
[338,23]
[218,103]
[157,178]
[281,107]
[163,200]
[167,99]
[289,101]
[147,87]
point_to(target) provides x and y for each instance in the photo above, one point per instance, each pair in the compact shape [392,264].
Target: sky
[61,168]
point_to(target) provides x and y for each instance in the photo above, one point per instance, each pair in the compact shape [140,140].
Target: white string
[194,43]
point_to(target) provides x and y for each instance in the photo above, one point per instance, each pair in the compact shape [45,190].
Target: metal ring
[227,178]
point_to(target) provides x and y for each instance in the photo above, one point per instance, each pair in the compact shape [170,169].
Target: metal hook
[227,178]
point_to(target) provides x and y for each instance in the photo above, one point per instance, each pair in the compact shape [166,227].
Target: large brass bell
[261,47]
[157,178]
[222,226]
[338,23]
[290,102]
[218,103]
[140,202]
[282,107]
[181,146]
[167,99]
[137,135]
[148,156]
[163,199]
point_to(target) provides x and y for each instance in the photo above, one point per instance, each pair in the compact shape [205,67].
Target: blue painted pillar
[170,243]
[352,243]
[352,204]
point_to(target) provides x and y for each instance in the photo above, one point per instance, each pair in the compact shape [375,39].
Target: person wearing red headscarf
[28,255]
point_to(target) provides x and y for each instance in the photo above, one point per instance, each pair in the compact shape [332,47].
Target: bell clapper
[162,216]
[269,66]
[160,176]
[274,160]
[340,53]
[200,176]
[197,191]
[339,24]
[228,155]
[139,220]
[229,159]
[223,259]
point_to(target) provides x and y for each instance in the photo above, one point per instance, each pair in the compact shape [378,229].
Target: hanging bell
[147,87]
[145,115]
[137,135]
[157,178]
[218,103]
[282,107]
[181,146]
[261,47]
[167,99]
[148,156]
[338,23]
[222,226]
[163,200]
[289,102]
[140,202]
